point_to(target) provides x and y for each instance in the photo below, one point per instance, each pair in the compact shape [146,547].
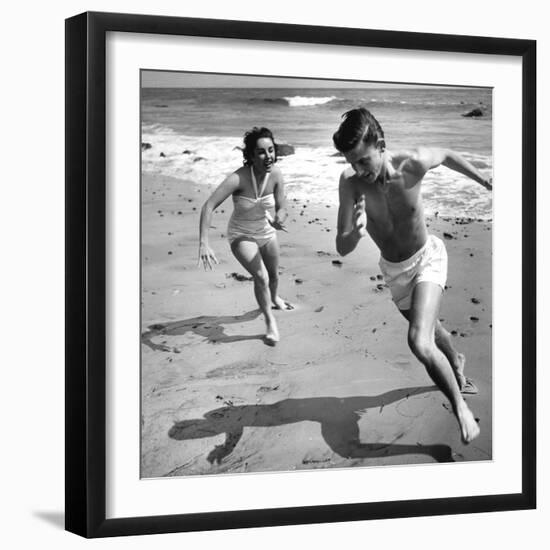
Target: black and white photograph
[206,344]
[316,274]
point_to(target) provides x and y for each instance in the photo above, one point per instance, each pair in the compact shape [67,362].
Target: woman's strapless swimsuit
[250,218]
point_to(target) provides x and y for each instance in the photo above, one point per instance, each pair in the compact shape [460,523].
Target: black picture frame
[86,273]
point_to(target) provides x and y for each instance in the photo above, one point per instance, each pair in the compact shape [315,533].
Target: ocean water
[194,134]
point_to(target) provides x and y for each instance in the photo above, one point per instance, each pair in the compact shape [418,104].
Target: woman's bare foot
[279,303]
[272,334]
[469,428]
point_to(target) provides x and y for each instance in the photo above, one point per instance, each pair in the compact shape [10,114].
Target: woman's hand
[278,224]
[278,221]
[207,256]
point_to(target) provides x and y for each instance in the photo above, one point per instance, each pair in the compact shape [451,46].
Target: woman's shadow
[338,419]
[209,327]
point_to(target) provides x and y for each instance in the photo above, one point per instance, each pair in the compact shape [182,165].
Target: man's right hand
[360,218]
[207,256]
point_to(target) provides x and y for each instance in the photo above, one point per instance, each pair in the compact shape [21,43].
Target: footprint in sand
[401,362]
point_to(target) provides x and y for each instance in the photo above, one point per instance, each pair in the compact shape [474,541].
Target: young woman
[259,210]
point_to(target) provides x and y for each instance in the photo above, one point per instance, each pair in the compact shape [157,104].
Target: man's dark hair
[251,138]
[358,124]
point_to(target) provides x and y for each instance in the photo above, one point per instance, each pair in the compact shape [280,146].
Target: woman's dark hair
[251,138]
[358,124]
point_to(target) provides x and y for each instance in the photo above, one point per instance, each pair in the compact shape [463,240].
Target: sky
[173,79]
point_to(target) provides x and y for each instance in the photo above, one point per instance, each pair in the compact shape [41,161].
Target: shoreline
[342,371]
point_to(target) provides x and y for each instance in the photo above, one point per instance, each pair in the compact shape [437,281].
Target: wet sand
[341,388]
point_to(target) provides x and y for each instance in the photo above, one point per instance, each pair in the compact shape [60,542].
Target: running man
[380,196]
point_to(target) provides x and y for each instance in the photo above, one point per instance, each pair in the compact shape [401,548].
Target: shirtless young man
[380,196]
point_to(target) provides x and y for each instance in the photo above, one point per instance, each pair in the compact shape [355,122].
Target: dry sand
[341,389]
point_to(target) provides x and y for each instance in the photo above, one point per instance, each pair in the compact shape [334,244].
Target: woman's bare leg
[248,255]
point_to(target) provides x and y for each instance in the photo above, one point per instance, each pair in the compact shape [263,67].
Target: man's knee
[421,343]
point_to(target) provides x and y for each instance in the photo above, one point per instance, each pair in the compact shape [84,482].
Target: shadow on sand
[338,419]
[209,327]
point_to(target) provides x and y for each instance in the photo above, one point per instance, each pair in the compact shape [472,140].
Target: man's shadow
[209,327]
[338,419]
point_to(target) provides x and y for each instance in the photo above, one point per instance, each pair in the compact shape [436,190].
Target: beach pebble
[454,332]
[448,236]
[237,277]
[373,278]
[162,155]
[380,277]
[476,301]
[319,309]
[298,281]
[474,318]
[337,263]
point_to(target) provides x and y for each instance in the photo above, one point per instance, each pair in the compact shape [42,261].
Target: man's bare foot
[469,428]
[465,384]
[272,334]
[279,303]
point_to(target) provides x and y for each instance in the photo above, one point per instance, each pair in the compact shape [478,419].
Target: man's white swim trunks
[427,264]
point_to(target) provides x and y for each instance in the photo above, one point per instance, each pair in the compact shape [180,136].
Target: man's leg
[444,341]
[423,315]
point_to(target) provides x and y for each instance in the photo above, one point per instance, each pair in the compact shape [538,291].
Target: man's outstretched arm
[427,158]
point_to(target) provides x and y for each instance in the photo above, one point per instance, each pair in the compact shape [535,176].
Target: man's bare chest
[390,202]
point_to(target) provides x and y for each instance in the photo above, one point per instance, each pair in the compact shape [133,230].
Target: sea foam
[311,174]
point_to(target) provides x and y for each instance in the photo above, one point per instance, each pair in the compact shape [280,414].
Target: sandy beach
[341,389]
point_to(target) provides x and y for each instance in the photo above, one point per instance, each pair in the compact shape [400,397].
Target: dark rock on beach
[474,113]
[284,150]
[145,146]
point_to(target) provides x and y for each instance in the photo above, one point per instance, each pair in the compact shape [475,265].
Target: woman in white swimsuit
[259,210]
